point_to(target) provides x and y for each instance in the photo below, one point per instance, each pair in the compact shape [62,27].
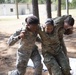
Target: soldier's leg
[36,58]
[52,64]
[63,62]
[21,64]
[65,52]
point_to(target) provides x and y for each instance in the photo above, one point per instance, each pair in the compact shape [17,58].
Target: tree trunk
[48,8]
[16,1]
[59,8]
[67,7]
[35,8]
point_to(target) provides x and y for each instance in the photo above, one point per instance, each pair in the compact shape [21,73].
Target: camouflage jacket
[50,42]
[53,42]
[59,22]
[25,43]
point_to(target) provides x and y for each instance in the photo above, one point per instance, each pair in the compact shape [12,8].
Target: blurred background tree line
[72,3]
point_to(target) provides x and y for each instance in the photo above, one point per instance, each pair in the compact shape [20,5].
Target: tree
[67,7]
[35,8]
[17,9]
[59,8]
[48,8]
[74,3]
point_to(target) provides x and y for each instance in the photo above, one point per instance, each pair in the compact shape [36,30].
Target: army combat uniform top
[59,22]
[27,49]
[54,57]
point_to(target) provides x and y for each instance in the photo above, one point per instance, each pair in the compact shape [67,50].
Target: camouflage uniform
[59,22]
[54,57]
[26,50]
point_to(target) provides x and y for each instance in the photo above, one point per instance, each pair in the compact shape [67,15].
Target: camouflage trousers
[56,64]
[22,60]
[65,52]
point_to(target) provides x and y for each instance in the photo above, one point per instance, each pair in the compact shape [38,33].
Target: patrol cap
[49,21]
[32,20]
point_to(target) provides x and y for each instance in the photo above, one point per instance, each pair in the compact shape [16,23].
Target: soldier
[27,48]
[66,27]
[54,57]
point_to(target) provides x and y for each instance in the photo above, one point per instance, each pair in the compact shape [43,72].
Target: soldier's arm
[63,46]
[60,20]
[42,34]
[44,38]
[14,38]
[61,32]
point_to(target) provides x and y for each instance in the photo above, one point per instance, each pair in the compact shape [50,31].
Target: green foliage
[8,1]
[30,1]
[63,4]
[41,1]
[24,1]
[2,1]
[72,5]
